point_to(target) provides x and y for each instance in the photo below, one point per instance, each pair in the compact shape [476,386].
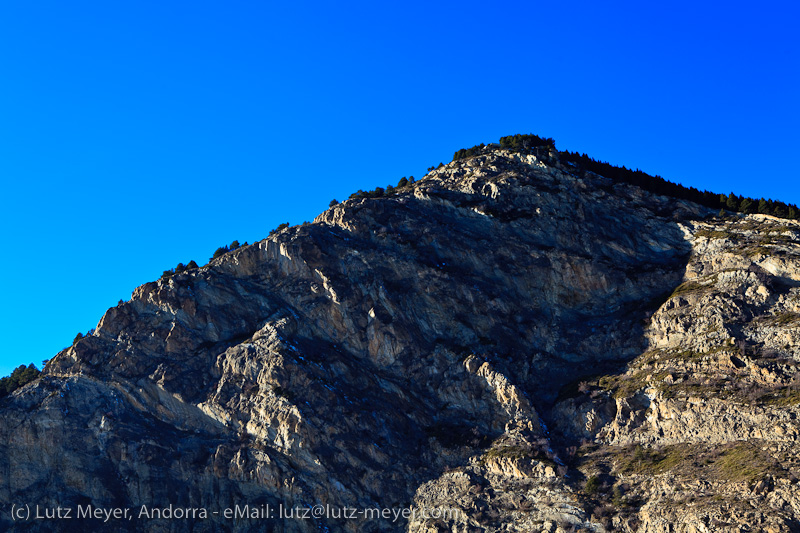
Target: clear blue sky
[137,135]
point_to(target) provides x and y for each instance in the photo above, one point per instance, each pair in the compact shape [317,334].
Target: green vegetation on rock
[582,163]
[21,376]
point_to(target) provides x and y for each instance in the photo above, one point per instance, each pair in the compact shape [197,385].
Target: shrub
[468,152]
[618,496]
[21,376]
[78,337]
[521,143]
[280,228]
[592,485]
[745,461]
[378,192]
[220,251]
[639,460]
[333,202]
[180,267]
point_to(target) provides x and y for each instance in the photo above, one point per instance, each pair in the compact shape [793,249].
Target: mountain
[512,343]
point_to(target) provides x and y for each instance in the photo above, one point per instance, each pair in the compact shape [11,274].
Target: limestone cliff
[538,348]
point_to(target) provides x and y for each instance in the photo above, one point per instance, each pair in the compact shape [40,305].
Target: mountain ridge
[414,351]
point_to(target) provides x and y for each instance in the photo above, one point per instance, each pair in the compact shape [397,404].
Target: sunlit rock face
[526,346]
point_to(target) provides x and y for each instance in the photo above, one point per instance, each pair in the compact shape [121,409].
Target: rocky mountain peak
[514,336]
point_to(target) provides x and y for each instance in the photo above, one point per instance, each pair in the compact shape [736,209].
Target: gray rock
[421,350]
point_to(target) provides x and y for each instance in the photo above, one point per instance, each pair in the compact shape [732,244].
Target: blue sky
[134,136]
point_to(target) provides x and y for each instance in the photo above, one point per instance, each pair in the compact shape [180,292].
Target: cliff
[533,347]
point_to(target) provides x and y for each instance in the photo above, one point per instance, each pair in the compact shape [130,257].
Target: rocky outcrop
[703,426]
[506,345]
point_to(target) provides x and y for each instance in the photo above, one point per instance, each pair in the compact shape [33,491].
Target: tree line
[658,185]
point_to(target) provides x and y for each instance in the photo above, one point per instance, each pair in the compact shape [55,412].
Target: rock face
[505,345]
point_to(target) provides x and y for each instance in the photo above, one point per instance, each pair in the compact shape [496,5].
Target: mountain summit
[514,342]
